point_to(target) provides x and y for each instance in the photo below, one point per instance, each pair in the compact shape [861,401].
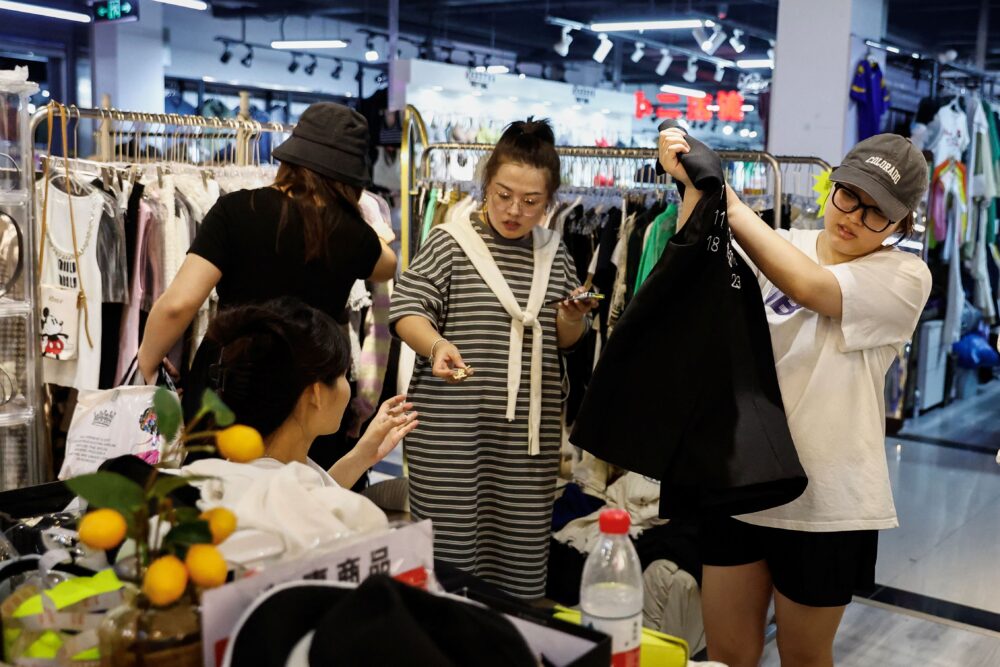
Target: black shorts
[813,569]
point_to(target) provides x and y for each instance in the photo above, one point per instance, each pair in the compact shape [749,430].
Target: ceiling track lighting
[640,51]
[714,41]
[603,48]
[562,46]
[666,59]
[338,69]
[720,73]
[310,69]
[294,65]
[691,74]
[227,54]
[247,60]
[736,41]
[371,55]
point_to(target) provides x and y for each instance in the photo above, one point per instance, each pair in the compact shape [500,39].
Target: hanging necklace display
[61,305]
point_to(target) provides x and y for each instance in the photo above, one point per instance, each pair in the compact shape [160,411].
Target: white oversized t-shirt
[832,379]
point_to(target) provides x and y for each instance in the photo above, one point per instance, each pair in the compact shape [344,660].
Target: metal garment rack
[414,129]
[140,127]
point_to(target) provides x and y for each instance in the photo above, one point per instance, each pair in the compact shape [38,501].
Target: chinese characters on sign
[730,106]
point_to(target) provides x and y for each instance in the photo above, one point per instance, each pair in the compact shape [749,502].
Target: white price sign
[406,553]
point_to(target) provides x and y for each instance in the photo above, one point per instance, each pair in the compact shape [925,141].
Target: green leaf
[165,484]
[168,413]
[211,402]
[108,489]
[186,514]
[185,534]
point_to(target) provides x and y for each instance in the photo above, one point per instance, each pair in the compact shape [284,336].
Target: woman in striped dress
[476,306]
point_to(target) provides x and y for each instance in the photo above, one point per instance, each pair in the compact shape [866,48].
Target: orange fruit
[207,566]
[240,443]
[221,522]
[102,529]
[165,581]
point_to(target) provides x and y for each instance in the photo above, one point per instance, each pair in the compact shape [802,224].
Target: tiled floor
[973,422]
[948,542]
[871,634]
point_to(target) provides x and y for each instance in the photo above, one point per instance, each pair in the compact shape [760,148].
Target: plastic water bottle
[611,590]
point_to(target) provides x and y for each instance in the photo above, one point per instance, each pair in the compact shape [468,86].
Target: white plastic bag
[110,423]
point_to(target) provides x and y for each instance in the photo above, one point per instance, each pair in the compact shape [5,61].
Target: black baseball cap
[331,140]
[890,169]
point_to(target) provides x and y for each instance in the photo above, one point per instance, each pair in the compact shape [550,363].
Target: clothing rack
[121,135]
[415,131]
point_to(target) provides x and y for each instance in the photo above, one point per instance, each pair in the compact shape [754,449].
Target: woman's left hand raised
[394,420]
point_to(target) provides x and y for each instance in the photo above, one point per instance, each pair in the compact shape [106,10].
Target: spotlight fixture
[700,36]
[310,69]
[338,69]
[448,51]
[720,73]
[640,51]
[227,54]
[691,74]
[736,42]
[604,48]
[247,60]
[666,59]
[371,55]
[727,130]
[294,65]
[711,43]
[562,46]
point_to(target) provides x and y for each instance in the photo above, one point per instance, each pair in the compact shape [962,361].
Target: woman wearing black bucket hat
[840,302]
[303,237]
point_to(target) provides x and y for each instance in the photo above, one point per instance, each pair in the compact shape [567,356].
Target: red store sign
[730,104]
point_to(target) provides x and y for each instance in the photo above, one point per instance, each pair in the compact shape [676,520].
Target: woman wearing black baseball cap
[840,302]
[303,236]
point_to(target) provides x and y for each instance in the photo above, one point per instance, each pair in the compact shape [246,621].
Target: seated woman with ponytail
[282,369]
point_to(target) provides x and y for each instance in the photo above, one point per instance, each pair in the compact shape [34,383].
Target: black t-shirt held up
[240,237]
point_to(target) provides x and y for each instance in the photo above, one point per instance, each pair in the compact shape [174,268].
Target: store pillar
[128,61]
[818,44]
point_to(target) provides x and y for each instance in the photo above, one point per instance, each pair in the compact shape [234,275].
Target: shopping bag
[108,423]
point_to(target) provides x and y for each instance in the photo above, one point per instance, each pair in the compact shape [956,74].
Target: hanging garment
[869,91]
[948,134]
[660,233]
[686,391]
[470,471]
[60,268]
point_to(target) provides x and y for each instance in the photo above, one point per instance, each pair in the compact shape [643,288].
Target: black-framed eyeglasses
[848,201]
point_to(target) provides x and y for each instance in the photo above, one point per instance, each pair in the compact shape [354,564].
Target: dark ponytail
[530,142]
[270,354]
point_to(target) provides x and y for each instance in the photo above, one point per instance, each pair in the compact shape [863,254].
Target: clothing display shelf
[19,359]
[415,138]
[124,138]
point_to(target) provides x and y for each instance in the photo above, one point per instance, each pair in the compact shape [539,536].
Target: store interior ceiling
[527,31]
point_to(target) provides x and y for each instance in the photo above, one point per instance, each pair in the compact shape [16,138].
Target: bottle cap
[615,522]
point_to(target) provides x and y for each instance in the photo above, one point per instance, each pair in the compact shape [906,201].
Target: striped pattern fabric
[470,472]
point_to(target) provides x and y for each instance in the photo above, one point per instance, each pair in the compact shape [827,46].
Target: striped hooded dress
[469,467]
